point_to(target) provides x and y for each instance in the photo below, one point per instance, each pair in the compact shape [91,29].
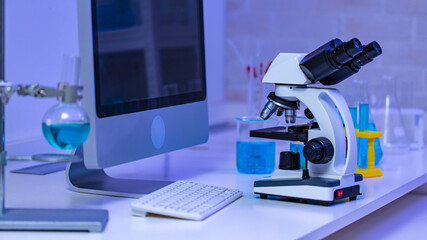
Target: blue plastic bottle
[297,148]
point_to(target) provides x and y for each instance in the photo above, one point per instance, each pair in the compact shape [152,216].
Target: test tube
[353,112]
[70,69]
[363,116]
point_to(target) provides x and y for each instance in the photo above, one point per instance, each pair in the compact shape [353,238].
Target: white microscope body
[326,104]
[330,140]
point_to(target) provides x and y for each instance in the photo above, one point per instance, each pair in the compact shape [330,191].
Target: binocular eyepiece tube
[325,64]
[370,51]
[345,51]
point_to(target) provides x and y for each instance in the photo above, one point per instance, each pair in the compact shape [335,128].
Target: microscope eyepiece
[328,58]
[370,51]
[346,51]
[373,50]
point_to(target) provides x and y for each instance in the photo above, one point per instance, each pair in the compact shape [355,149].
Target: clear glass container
[66,126]
[254,155]
[387,113]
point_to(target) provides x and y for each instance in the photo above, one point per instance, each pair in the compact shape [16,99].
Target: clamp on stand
[43,219]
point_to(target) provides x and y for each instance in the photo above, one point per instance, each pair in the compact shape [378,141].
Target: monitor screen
[143,72]
[148,54]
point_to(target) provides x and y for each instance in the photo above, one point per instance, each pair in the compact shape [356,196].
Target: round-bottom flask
[66,126]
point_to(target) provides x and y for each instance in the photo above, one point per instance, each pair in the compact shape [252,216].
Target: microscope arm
[343,109]
[326,105]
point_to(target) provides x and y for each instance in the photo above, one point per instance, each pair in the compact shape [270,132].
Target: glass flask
[66,126]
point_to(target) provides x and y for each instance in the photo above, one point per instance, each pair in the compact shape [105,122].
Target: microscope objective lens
[290,115]
[268,110]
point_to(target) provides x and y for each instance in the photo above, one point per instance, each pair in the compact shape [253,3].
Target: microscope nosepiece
[278,104]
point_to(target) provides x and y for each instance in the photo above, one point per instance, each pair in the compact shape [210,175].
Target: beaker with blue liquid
[254,155]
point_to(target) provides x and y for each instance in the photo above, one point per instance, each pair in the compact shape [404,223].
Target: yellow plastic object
[370,171]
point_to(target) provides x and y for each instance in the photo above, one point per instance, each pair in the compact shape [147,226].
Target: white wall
[37,34]
[400,26]
[214,41]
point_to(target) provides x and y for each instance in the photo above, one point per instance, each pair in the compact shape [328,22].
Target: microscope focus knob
[318,150]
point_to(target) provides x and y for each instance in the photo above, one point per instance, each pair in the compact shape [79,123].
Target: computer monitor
[143,73]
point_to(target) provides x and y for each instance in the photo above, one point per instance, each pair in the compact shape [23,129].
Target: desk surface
[212,163]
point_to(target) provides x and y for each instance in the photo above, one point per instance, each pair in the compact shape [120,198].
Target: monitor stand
[96,181]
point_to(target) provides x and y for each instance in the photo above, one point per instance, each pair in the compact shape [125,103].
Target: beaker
[254,155]
[257,91]
[251,62]
[387,113]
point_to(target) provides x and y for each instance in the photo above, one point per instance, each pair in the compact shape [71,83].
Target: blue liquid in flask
[255,157]
[66,136]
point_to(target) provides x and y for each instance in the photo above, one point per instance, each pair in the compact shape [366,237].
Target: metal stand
[44,219]
[53,220]
[96,181]
[37,219]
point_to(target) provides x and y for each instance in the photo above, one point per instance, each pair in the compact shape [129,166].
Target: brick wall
[267,27]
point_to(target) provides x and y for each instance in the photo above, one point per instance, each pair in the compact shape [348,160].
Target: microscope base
[311,190]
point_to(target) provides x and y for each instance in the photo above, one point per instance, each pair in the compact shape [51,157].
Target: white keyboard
[185,199]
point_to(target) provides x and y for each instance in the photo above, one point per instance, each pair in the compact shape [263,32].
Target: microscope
[330,146]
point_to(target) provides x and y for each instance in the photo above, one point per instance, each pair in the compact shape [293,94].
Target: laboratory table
[212,163]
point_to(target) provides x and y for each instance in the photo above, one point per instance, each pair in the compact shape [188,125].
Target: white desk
[213,163]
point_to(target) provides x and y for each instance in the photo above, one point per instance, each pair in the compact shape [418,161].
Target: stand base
[370,172]
[54,220]
[42,169]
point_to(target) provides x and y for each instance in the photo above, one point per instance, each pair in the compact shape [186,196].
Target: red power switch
[339,193]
